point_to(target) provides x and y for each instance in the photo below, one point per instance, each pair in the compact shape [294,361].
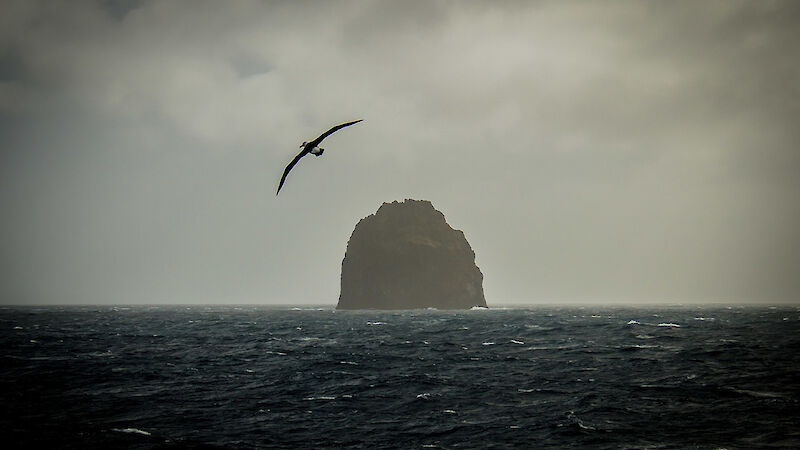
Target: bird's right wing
[288,168]
[317,141]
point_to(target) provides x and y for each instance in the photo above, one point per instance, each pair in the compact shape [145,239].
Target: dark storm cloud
[120,8]
[615,151]
[11,68]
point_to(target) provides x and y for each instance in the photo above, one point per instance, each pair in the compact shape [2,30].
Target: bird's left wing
[316,141]
[288,168]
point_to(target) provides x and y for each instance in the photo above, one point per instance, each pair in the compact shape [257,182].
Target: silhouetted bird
[311,147]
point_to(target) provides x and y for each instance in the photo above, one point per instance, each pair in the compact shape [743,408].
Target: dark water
[249,377]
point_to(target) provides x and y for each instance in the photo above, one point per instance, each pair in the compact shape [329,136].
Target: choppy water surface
[250,377]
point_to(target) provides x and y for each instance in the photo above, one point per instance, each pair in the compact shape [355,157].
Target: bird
[312,147]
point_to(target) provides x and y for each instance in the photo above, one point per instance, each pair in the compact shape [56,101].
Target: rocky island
[406,256]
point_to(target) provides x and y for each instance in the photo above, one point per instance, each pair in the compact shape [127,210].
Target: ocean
[245,377]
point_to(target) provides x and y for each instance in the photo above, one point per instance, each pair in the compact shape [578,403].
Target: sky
[643,152]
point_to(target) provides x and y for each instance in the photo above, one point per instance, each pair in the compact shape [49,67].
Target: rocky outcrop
[406,256]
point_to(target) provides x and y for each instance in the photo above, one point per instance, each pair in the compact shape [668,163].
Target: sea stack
[406,256]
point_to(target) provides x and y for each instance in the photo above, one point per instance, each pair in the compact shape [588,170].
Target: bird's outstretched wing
[317,141]
[289,167]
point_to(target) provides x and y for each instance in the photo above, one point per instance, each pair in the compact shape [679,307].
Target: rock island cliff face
[406,256]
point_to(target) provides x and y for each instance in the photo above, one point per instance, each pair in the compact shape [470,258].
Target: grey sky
[590,151]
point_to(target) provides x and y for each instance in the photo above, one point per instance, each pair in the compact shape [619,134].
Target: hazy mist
[590,151]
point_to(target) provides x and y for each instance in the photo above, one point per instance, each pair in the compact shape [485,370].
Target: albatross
[312,147]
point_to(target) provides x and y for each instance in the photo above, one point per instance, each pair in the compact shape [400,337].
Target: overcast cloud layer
[590,151]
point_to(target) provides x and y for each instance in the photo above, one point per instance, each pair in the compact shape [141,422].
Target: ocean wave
[423,378]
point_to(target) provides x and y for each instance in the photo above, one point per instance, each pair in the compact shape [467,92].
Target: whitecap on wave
[757,394]
[321,397]
[671,325]
[131,430]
